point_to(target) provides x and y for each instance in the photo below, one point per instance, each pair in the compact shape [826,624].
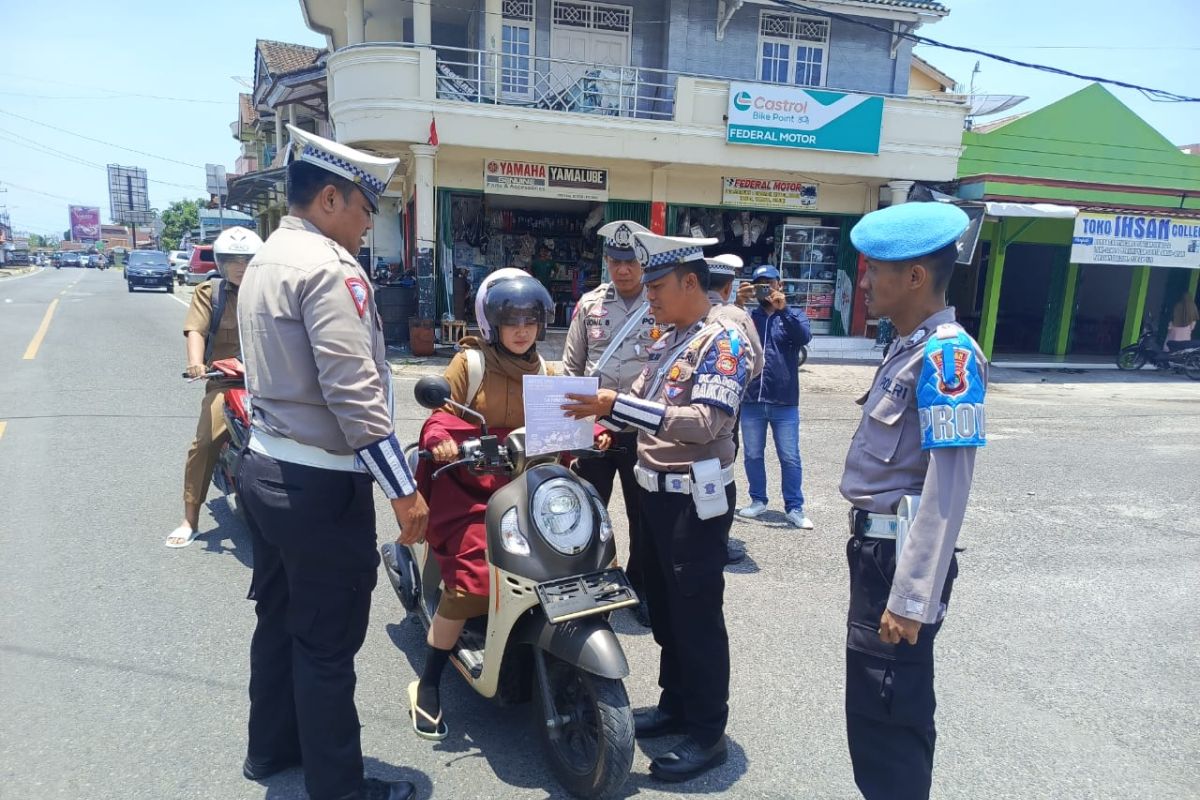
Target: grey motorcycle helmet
[511,297]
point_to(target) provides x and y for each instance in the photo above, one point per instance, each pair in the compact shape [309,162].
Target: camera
[762,291]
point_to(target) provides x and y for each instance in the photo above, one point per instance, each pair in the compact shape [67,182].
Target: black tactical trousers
[314,569]
[889,688]
[684,562]
[601,472]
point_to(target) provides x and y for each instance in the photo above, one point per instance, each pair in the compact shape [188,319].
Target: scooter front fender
[588,643]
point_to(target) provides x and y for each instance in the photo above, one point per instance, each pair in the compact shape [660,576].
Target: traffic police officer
[610,335]
[321,436]
[908,475]
[684,405]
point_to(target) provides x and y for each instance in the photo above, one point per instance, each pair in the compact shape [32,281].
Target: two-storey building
[524,125]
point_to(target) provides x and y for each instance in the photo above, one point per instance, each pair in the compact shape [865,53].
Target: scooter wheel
[1191,367]
[1131,358]
[593,752]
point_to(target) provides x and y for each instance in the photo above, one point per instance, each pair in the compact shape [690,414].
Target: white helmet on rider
[234,248]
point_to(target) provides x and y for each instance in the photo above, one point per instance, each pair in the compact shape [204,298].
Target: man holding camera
[773,398]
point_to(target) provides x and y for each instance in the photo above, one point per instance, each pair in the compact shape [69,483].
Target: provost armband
[951,391]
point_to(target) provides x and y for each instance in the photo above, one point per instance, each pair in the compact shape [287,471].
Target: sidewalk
[12,272]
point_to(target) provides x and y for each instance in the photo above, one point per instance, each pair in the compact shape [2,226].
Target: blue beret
[766,273]
[908,230]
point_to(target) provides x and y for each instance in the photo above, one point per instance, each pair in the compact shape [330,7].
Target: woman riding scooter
[512,309]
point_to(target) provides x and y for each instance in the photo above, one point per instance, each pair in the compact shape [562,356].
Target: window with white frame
[516,48]
[792,48]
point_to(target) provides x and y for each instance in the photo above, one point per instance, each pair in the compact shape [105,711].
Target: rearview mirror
[432,392]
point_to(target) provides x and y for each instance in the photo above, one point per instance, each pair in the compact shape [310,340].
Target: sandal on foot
[440,731]
[183,534]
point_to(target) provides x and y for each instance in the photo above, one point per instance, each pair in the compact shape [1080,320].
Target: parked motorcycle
[237,421]
[554,579]
[1149,351]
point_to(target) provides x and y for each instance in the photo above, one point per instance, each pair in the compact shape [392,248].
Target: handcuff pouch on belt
[708,489]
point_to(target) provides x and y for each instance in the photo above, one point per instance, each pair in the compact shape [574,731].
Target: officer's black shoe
[734,552]
[260,769]
[651,723]
[688,759]
[375,789]
[641,613]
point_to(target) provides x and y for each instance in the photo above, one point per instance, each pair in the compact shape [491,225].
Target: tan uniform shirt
[599,316]
[734,313]
[886,461]
[689,415]
[314,351]
[225,342]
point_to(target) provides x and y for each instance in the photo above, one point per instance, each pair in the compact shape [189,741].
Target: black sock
[428,698]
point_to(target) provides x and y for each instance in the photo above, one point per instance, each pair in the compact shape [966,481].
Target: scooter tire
[1191,367]
[607,719]
[803,358]
[1131,358]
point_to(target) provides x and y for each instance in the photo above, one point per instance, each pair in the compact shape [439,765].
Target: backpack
[218,309]
[475,367]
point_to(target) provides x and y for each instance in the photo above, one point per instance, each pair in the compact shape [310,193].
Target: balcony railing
[554,84]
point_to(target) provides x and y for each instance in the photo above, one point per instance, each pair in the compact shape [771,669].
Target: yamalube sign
[768,194]
[528,179]
[1136,240]
[785,116]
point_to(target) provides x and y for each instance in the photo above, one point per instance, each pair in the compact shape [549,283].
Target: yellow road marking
[3,425]
[32,350]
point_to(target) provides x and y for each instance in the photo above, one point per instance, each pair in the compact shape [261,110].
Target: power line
[11,137]
[1152,94]
[112,94]
[100,141]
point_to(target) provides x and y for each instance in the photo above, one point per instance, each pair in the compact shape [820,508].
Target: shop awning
[1030,210]
[255,191]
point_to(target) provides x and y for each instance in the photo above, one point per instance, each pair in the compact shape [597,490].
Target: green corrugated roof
[1087,137]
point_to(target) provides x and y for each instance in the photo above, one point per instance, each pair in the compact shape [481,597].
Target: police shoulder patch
[951,391]
[359,293]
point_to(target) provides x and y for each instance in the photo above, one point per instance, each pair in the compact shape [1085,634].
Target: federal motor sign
[768,193]
[816,119]
[1133,239]
[528,179]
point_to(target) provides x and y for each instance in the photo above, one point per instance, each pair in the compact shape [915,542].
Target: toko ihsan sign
[1134,239]
[785,116]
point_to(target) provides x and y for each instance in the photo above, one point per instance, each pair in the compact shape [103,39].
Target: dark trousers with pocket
[601,472]
[889,688]
[684,560]
[314,569]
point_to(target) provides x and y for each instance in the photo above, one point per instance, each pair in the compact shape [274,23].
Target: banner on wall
[85,223]
[765,193]
[527,179]
[786,116]
[1132,240]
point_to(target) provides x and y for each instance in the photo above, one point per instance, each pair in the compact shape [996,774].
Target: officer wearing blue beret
[908,476]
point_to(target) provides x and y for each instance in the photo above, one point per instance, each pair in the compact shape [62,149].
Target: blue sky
[65,65]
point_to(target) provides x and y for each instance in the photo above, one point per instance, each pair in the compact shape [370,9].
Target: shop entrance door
[1023,298]
[595,36]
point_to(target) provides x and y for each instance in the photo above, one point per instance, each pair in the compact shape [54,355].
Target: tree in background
[179,218]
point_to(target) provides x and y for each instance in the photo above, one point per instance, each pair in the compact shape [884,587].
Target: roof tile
[284,57]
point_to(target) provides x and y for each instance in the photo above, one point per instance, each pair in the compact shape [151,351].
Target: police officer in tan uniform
[684,405]
[908,476]
[321,438]
[610,335]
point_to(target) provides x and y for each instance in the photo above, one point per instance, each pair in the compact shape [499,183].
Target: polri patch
[358,293]
[727,364]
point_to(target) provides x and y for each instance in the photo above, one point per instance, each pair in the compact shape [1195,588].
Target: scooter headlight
[561,512]
[511,537]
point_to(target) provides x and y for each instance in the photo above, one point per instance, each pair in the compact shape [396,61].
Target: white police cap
[618,238]
[661,254]
[726,264]
[370,173]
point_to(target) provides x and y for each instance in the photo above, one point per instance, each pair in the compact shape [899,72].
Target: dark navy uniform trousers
[314,569]
[601,472]
[889,688]
[683,559]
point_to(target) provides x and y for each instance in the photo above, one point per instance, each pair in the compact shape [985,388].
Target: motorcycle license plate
[584,595]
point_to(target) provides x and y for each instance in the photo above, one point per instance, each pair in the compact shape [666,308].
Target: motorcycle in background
[236,411]
[1148,350]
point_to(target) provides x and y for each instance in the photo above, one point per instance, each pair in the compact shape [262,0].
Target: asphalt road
[1067,667]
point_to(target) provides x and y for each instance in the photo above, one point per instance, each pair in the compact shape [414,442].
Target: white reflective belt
[634,319]
[672,482]
[881,526]
[294,452]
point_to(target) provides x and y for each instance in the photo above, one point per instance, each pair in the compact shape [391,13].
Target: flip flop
[188,535]
[441,731]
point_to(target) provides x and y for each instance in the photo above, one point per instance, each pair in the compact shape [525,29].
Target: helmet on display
[235,243]
[511,296]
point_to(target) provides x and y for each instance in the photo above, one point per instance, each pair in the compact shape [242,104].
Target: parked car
[148,268]
[71,260]
[179,262]
[202,265]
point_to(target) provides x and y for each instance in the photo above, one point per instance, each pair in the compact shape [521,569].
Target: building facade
[524,125]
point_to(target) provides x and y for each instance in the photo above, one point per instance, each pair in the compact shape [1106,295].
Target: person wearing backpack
[512,308]
[211,331]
